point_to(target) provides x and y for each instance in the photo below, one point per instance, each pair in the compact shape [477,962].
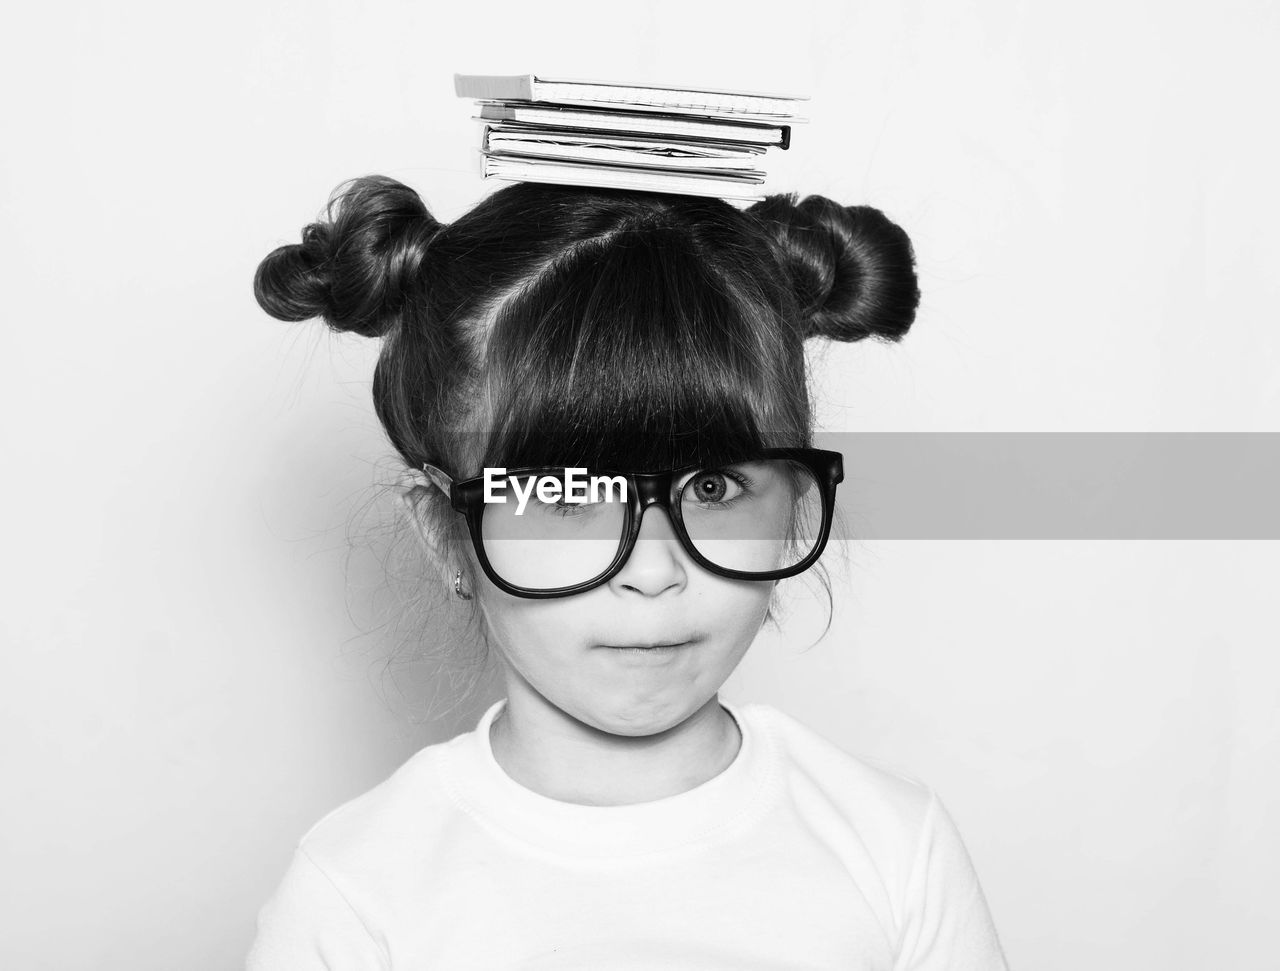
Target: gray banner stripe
[1057,485]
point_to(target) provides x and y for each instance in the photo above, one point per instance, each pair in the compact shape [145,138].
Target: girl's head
[563,326]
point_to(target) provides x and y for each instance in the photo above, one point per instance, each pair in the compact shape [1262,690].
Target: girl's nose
[657,562]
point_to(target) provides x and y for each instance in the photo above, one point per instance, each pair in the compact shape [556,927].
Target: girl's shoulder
[408,809]
[816,770]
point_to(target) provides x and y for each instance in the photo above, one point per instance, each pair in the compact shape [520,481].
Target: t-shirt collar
[725,801]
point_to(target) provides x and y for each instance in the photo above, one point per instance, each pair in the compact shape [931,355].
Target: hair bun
[359,266]
[852,269]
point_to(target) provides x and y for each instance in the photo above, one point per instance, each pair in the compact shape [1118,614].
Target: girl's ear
[413,488]
[428,479]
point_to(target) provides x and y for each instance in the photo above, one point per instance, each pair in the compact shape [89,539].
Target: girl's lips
[644,647]
[653,645]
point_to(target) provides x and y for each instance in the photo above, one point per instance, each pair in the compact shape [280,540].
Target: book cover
[627,96]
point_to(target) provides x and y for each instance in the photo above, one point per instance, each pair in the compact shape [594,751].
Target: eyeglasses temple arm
[433,475]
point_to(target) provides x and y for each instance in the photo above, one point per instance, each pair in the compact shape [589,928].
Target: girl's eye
[713,487]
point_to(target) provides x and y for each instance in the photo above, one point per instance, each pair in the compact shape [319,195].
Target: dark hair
[571,326]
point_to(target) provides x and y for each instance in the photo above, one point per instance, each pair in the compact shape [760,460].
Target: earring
[457,587]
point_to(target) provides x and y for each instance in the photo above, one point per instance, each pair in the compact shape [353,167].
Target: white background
[190,659]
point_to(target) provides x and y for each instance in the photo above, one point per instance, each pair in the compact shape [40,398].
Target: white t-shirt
[797,856]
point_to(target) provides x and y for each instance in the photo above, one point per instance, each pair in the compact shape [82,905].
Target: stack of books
[689,141]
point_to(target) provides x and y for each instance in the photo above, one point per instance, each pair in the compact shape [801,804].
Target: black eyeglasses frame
[645,489]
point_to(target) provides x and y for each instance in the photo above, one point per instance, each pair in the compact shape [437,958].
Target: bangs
[635,354]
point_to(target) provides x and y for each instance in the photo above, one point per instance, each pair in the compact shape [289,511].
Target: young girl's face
[570,651]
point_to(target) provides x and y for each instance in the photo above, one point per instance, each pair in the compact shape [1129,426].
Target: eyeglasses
[765,518]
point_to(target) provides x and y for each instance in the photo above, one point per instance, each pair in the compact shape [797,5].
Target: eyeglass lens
[753,517]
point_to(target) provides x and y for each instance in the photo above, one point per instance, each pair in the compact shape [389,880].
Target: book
[622,177]
[634,122]
[625,95]
[619,150]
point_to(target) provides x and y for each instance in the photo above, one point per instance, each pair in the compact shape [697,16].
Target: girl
[612,811]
